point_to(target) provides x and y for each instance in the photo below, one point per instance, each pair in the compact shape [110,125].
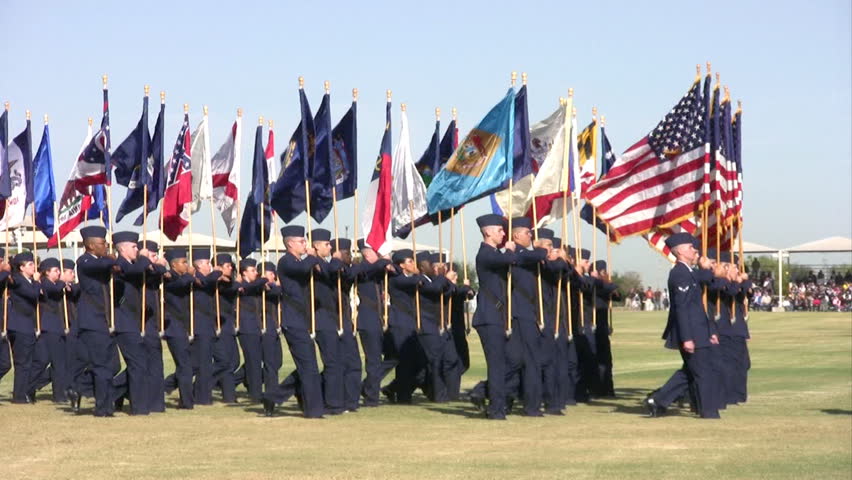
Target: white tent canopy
[749,247]
[198,240]
[826,245]
[396,244]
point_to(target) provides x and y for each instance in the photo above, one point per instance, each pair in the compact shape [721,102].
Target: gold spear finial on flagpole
[327,86]
[162,96]
[354,94]
[402,105]
[574,112]
[104,79]
[514,78]
[28,115]
[301,83]
[271,124]
[389,95]
[45,119]
[147,90]
[524,78]
[455,113]
[90,121]
[185,108]
[438,114]
[709,68]
[739,106]
[594,114]
[561,101]
[260,120]
[727,93]
[205,110]
[718,79]
[6,106]
[571,93]
[239,112]
[603,121]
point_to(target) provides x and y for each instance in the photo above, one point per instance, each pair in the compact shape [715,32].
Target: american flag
[659,181]
[177,202]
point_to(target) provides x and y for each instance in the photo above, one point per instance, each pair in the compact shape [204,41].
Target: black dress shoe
[74,400]
[654,410]
[299,401]
[389,394]
[119,404]
[478,402]
[268,408]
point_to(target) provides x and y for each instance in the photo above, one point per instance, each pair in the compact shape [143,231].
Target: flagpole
[703,207]
[262,249]
[237,253]
[594,220]
[565,184]
[213,255]
[5,213]
[576,219]
[538,271]
[509,233]
[355,237]
[272,235]
[108,221]
[35,253]
[313,331]
[414,250]
[608,249]
[144,231]
[385,286]
[162,328]
[327,86]
[450,266]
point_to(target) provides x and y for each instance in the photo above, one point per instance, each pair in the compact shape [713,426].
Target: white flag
[548,150]
[202,181]
[16,206]
[224,169]
[408,187]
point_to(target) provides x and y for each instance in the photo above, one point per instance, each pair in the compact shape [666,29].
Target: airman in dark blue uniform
[431,334]
[251,299]
[79,384]
[295,272]
[490,318]
[51,355]
[226,355]
[206,325]
[369,275]
[584,331]
[94,269]
[350,357]
[689,330]
[270,335]
[738,353]
[402,325]
[452,366]
[153,342]
[551,271]
[177,287]
[605,290]
[24,293]
[5,352]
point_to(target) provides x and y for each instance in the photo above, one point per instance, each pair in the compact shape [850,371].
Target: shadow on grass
[836,411]
[459,410]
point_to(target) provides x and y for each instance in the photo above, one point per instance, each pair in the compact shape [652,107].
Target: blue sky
[788,61]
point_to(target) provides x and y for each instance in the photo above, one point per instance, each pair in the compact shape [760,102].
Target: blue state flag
[480,164]
[322,199]
[44,188]
[287,195]
[344,154]
[5,179]
[250,227]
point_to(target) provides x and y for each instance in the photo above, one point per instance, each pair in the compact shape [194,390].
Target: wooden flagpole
[272,235]
[35,252]
[310,241]
[355,239]
[213,255]
[414,251]
[509,234]
[608,253]
[386,295]
[5,212]
[262,251]
[144,234]
[594,217]
[574,217]
[189,254]
[237,253]
[565,185]
[109,222]
[327,87]
[162,329]
[440,245]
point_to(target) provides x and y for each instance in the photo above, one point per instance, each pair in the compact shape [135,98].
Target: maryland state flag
[481,163]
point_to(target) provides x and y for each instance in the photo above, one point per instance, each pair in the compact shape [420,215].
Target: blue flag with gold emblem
[480,164]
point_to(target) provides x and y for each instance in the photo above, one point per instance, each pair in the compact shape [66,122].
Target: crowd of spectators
[820,292]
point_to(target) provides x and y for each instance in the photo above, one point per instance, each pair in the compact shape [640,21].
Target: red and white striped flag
[177,202]
[659,181]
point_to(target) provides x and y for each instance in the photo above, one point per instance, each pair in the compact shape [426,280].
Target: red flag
[177,201]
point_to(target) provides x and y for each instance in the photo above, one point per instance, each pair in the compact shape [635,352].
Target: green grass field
[797,424]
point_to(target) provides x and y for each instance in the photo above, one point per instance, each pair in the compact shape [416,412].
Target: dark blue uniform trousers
[697,372]
[493,339]
[132,347]
[551,393]
[5,357]
[23,352]
[332,370]
[586,347]
[202,367]
[50,365]
[310,385]
[154,369]
[351,359]
[78,364]
[102,357]
[252,364]
[225,362]
[371,343]
[180,350]
[530,340]
[410,356]
[273,359]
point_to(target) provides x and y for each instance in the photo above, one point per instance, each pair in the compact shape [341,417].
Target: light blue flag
[481,164]
[44,189]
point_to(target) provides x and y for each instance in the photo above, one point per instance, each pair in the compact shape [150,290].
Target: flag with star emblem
[376,219]
[177,202]
[91,167]
[607,159]
[659,181]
